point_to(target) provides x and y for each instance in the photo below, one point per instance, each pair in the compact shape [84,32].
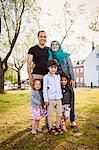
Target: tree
[94,25]
[19,60]
[6,6]
[12,19]
[70,18]
[10,75]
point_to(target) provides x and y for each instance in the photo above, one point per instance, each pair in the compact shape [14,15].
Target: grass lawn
[15,121]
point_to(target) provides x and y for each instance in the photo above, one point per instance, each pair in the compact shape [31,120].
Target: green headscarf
[58,55]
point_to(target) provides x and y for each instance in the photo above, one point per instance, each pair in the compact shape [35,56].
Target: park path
[18,91]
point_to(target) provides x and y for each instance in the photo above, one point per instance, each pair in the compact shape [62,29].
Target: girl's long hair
[68,79]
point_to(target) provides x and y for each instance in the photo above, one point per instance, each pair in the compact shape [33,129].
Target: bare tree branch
[16,33]
[5,19]
[71,17]
[67,31]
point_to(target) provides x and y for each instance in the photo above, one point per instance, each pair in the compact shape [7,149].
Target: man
[37,58]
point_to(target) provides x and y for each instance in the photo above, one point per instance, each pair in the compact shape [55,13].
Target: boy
[52,94]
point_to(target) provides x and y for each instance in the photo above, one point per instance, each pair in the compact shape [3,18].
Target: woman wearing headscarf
[65,66]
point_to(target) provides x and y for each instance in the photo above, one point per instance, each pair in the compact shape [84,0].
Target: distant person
[52,95]
[65,66]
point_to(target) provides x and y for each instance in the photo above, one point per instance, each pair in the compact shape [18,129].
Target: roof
[78,63]
[97,47]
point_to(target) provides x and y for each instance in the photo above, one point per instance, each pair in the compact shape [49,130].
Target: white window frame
[77,79]
[77,70]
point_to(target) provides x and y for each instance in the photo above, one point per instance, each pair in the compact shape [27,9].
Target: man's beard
[42,43]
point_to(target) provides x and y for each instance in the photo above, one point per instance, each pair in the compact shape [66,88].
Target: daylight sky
[55,11]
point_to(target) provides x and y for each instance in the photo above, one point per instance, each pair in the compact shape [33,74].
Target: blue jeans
[72,112]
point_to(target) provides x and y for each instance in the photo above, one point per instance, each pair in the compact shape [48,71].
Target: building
[87,71]
[91,68]
[79,73]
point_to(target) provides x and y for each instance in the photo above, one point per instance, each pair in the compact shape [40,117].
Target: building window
[77,79]
[81,80]
[77,70]
[81,69]
[97,67]
[97,55]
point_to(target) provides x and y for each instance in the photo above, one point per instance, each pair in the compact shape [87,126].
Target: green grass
[9,101]
[15,121]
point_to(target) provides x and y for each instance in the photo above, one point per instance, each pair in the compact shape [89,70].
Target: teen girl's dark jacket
[68,95]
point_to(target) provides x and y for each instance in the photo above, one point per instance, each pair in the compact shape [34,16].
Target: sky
[55,10]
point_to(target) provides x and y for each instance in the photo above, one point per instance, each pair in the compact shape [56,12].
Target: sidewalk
[18,91]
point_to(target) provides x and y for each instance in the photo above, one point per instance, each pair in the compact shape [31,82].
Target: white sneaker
[34,132]
[39,130]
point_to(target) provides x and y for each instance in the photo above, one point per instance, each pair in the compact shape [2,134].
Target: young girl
[52,95]
[65,65]
[35,107]
[66,100]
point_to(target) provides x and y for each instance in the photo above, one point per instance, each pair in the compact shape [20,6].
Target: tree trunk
[3,64]
[1,78]
[19,80]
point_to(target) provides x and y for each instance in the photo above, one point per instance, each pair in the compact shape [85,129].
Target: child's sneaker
[34,132]
[51,131]
[58,131]
[63,129]
[30,128]
[39,130]
[45,127]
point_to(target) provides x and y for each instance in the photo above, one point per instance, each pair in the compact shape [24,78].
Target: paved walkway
[28,91]
[18,91]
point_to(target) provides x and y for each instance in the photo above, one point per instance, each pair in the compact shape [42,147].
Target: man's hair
[40,32]
[52,62]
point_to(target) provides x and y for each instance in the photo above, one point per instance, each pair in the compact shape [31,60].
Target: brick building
[79,73]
